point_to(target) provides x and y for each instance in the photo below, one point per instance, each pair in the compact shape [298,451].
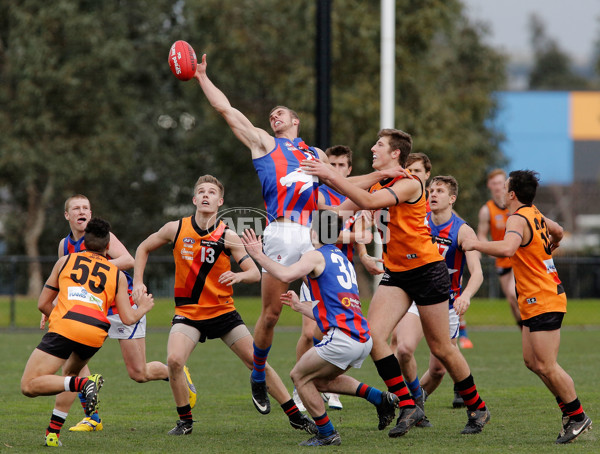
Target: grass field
[525,417]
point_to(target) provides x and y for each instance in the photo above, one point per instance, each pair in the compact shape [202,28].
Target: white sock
[67,382]
[60,414]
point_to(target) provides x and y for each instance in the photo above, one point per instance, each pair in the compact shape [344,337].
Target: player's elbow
[254,276]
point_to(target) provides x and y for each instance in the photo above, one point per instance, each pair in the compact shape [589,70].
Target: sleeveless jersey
[334,199]
[446,237]
[336,291]
[288,191]
[498,217]
[539,289]
[70,246]
[88,285]
[407,242]
[200,258]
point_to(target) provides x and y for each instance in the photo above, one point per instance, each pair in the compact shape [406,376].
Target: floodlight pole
[387,88]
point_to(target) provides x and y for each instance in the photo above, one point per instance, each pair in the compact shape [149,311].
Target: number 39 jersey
[87,285]
[336,292]
[200,258]
[539,289]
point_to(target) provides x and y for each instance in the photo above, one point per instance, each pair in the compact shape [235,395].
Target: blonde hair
[212,180]
[73,197]
[495,173]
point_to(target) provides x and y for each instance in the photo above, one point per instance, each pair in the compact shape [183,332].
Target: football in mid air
[182,60]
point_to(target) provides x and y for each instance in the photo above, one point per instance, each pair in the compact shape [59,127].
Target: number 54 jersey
[336,292]
[200,258]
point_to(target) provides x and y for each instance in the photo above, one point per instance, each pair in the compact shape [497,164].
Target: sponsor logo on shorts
[411,256]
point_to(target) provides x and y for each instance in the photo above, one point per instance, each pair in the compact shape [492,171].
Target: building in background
[557,134]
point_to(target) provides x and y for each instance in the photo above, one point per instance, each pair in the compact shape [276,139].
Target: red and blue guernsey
[70,246]
[334,199]
[446,237]
[336,293]
[288,191]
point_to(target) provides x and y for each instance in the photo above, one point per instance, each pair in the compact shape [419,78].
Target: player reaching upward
[290,197]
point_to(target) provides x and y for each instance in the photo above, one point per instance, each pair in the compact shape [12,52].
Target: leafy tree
[91,106]
[552,69]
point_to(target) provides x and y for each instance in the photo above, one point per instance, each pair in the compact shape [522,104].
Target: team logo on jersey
[531,300]
[81,294]
[411,256]
[188,240]
[298,176]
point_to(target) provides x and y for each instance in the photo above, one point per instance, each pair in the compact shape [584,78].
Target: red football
[182,60]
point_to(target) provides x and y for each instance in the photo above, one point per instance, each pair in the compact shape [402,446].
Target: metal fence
[580,277]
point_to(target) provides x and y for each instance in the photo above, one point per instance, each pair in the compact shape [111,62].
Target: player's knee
[437,372]
[138,375]
[27,390]
[175,362]
[270,319]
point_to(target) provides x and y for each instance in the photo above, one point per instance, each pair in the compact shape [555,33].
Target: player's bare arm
[310,263]
[120,256]
[250,272]
[166,234]
[555,230]
[304,307]
[46,300]
[517,233]
[483,223]
[257,140]
[473,258]
[128,314]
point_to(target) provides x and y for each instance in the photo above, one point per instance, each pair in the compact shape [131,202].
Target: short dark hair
[399,140]
[328,226]
[97,235]
[524,184]
[340,150]
[414,157]
[449,181]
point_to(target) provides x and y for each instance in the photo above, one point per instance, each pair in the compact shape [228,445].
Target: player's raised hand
[252,243]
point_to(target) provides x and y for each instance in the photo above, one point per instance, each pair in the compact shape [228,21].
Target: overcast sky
[574,24]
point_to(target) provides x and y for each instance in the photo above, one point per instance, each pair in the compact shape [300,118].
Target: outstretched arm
[250,272]
[257,140]
[304,307]
[515,234]
[311,262]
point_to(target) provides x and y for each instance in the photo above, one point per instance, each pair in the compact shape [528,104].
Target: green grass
[525,417]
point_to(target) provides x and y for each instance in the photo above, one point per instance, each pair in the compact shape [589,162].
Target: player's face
[383,155]
[208,198]
[440,198]
[281,120]
[78,214]
[418,169]
[496,187]
[340,164]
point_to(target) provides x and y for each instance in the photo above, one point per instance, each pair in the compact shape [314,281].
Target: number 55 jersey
[87,286]
[200,258]
[336,292]
[539,289]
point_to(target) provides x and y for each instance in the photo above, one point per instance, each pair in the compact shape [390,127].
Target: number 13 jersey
[200,258]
